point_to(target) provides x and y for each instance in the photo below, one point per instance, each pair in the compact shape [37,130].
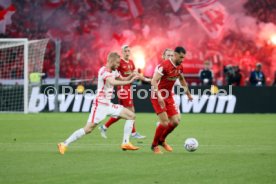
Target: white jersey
[105,90]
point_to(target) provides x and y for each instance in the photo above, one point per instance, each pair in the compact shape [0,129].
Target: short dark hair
[179,50]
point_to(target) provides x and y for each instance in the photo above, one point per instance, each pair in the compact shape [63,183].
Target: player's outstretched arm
[184,84]
[145,79]
[115,82]
[141,77]
[126,78]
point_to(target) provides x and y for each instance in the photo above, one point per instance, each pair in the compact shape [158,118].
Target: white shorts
[99,111]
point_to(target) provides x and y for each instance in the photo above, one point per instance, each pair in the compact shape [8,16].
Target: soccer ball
[191,144]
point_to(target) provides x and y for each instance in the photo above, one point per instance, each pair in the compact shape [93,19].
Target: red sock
[159,130]
[111,121]
[133,129]
[167,131]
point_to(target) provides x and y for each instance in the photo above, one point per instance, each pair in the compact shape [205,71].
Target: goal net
[21,60]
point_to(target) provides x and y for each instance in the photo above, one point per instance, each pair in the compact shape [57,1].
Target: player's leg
[134,134]
[163,123]
[103,128]
[177,103]
[124,101]
[111,121]
[97,114]
[174,119]
[130,118]
[127,102]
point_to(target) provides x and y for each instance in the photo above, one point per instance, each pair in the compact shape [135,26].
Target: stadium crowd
[264,11]
[90,29]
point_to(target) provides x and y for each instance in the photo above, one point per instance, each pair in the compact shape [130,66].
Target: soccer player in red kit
[165,75]
[126,68]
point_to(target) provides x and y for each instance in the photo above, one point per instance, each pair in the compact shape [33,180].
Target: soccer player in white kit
[108,77]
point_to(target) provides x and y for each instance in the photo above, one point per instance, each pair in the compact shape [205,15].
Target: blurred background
[232,37]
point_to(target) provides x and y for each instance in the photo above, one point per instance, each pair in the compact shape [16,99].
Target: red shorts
[170,107]
[125,96]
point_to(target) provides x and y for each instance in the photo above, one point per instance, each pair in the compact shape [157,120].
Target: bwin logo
[38,102]
[209,104]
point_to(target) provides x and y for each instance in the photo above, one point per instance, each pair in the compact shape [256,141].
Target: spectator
[237,76]
[274,83]
[229,74]
[206,75]
[257,77]
[90,29]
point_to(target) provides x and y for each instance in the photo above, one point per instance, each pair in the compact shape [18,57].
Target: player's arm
[126,78]
[154,82]
[184,84]
[115,82]
[141,77]
[145,79]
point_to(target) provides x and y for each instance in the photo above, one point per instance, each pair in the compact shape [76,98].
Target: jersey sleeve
[117,74]
[161,68]
[105,74]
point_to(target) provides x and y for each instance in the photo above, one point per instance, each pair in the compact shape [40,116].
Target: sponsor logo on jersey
[172,78]
[128,72]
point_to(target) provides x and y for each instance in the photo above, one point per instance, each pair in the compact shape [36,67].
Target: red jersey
[126,67]
[124,93]
[170,73]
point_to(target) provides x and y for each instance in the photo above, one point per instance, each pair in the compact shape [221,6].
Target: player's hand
[190,98]
[135,77]
[135,73]
[140,76]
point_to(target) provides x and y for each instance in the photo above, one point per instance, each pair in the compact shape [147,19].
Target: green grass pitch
[232,149]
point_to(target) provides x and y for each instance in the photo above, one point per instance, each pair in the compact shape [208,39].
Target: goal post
[20,60]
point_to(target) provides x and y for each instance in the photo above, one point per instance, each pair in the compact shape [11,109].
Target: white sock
[104,127]
[75,136]
[127,130]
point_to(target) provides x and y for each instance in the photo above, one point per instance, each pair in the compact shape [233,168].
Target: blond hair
[164,53]
[112,55]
